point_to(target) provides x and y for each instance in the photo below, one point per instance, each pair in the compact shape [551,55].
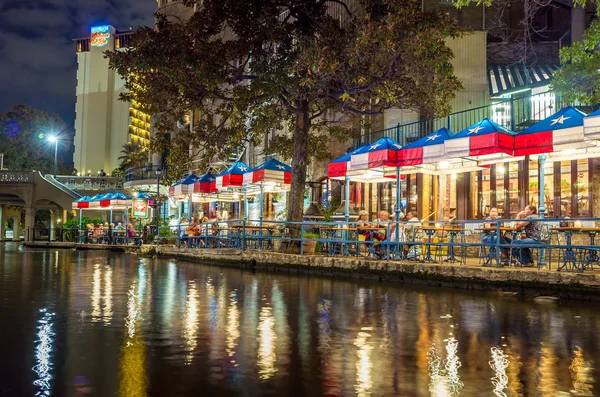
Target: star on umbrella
[281,167]
[211,179]
[397,146]
[242,168]
[475,130]
[560,120]
[433,137]
[375,146]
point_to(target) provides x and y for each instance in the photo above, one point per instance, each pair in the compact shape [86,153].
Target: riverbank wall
[509,280]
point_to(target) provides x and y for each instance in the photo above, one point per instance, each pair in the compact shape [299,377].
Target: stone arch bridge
[22,193]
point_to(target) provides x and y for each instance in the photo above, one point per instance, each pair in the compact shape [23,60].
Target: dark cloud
[37,55]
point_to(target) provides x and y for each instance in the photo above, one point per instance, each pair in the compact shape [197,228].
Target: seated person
[120,226]
[532,234]
[383,222]
[413,232]
[489,238]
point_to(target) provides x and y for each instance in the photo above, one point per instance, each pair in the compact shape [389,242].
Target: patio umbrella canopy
[184,186]
[81,203]
[271,171]
[378,155]
[232,176]
[428,155]
[485,141]
[564,130]
[591,127]
[340,167]
[206,184]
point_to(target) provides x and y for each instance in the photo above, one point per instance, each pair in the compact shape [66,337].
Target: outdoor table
[430,231]
[569,255]
[493,252]
[592,254]
[331,232]
[452,231]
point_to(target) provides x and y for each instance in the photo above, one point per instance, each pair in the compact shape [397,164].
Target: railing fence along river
[100,323]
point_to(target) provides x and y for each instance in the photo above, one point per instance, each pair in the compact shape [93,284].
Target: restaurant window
[412,195]
[534,187]
[513,190]
[503,209]
[485,201]
[566,204]
[583,193]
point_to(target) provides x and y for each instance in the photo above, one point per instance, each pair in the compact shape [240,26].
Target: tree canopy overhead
[23,140]
[301,66]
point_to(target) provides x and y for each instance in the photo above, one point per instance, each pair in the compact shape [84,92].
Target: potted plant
[309,243]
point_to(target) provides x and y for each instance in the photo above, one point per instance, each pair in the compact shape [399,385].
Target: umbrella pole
[110,216]
[347,213]
[397,209]
[542,207]
[262,190]
[190,205]
[80,220]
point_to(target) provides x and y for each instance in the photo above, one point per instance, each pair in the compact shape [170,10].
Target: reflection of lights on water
[96,293]
[190,322]
[499,364]
[452,366]
[43,353]
[581,373]
[108,307]
[364,366]
[142,281]
[170,289]
[324,322]
[437,386]
[233,326]
[444,381]
[133,311]
[266,344]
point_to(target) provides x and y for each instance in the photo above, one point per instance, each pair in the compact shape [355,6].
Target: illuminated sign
[140,207]
[100,36]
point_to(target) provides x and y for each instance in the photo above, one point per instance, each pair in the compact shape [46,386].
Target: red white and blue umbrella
[591,127]
[485,141]
[81,203]
[428,155]
[206,184]
[378,155]
[184,186]
[340,167]
[562,131]
[232,176]
[273,171]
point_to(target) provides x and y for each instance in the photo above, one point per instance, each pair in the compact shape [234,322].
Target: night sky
[37,55]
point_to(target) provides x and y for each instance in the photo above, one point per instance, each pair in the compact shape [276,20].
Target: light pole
[158,175]
[54,139]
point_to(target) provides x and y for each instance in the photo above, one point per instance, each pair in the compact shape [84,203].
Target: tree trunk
[299,165]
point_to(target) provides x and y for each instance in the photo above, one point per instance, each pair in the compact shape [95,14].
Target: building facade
[103,123]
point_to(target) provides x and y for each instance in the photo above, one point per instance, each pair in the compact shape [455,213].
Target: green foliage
[310,235]
[23,140]
[74,223]
[578,79]
[251,68]
[328,212]
[132,156]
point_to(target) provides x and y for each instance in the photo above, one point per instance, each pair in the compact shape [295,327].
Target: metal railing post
[302,238]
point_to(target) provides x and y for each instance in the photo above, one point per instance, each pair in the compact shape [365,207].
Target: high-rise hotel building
[103,123]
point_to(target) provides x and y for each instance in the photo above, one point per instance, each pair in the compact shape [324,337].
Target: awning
[508,78]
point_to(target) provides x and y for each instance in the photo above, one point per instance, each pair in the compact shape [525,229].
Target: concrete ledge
[528,281]
[49,244]
[56,244]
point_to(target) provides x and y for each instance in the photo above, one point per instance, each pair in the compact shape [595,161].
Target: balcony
[84,183]
[515,114]
[143,176]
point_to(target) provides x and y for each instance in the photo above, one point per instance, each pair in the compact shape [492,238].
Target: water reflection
[499,364]
[190,322]
[179,329]
[581,370]
[133,379]
[96,293]
[108,305]
[364,365]
[266,340]
[44,346]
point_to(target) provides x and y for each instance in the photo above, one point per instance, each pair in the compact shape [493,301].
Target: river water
[76,323]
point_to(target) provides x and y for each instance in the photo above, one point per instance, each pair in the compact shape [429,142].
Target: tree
[259,66]
[132,156]
[578,79]
[23,140]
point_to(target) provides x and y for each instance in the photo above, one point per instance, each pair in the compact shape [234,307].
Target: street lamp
[54,139]
[158,175]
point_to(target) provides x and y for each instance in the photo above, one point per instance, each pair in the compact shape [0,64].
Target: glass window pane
[583,204]
[565,189]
